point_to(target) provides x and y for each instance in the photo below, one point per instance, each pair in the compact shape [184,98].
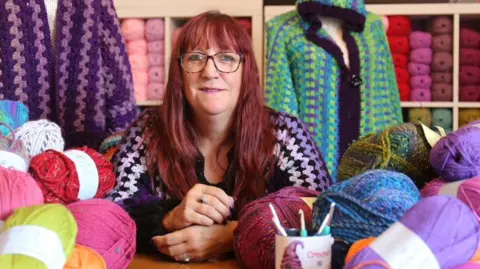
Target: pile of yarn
[432,243]
[469,64]
[38,236]
[76,174]
[106,228]
[402,148]
[12,113]
[255,227]
[455,156]
[367,204]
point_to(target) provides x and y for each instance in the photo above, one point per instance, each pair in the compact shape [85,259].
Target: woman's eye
[226,58]
[195,57]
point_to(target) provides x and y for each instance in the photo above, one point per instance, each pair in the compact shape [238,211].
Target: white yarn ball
[39,136]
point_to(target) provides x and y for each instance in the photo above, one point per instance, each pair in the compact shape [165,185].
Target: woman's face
[211,92]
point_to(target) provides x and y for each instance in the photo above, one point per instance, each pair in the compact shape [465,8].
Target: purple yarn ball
[457,155]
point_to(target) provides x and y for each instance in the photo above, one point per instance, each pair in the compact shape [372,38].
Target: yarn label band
[451,189]
[36,242]
[87,173]
[12,160]
[402,248]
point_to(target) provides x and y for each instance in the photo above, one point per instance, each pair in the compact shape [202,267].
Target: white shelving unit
[459,13]
[177,12]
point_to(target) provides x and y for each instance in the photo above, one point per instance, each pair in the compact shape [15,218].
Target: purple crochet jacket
[87,86]
[298,163]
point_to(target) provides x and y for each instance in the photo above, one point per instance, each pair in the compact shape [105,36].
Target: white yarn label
[12,160]
[36,242]
[87,173]
[451,189]
[401,248]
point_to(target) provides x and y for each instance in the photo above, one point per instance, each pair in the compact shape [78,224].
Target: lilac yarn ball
[457,155]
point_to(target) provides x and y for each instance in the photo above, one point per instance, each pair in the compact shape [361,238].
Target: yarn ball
[439,25]
[366,205]
[108,147]
[402,74]
[133,29]
[420,39]
[442,117]
[469,38]
[400,60]
[405,91]
[13,152]
[106,228]
[421,94]
[442,43]
[155,29]
[470,93]
[85,258]
[26,231]
[255,227]
[442,77]
[71,176]
[421,56]
[442,92]
[468,115]
[469,75]
[156,91]
[467,191]
[17,189]
[445,224]
[137,47]
[399,44]
[399,26]
[423,115]
[402,148]
[418,69]
[442,62]
[457,155]
[357,247]
[39,136]
[421,81]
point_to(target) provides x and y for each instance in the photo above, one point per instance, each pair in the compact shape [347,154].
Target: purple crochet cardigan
[87,86]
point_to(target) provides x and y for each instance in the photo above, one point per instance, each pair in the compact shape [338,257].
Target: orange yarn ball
[85,258]
[357,247]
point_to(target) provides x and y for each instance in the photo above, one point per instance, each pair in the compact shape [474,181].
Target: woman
[187,168]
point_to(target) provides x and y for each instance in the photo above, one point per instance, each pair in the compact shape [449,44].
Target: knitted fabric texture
[86,86]
[304,79]
[402,148]
[366,205]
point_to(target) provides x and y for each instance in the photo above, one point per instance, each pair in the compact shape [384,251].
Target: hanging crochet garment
[86,85]
[307,76]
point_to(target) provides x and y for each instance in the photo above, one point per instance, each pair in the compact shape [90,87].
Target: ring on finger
[185,257]
[203,199]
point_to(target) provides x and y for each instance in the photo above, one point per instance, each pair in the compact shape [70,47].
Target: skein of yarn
[38,236]
[106,228]
[17,189]
[108,147]
[255,225]
[85,258]
[76,174]
[403,148]
[39,136]
[423,238]
[467,191]
[456,155]
[367,204]
[13,153]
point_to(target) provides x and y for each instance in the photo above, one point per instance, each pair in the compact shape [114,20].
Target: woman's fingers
[217,193]
[216,204]
[210,212]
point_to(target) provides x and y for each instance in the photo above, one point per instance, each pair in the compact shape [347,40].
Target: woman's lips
[211,90]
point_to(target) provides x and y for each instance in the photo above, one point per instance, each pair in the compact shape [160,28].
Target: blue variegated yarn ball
[367,204]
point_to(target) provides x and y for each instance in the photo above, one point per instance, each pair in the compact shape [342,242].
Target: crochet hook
[276,221]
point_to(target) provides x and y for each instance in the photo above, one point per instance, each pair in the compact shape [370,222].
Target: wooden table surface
[145,262]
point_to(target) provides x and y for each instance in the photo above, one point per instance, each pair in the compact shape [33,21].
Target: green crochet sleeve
[280,91]
[391,78]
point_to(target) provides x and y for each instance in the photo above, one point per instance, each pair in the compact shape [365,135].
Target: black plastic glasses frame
[242,59]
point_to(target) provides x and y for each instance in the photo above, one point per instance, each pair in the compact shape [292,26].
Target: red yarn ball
[255,227]
[58,178]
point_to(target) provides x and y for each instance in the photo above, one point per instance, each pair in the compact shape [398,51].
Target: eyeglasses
[225,62]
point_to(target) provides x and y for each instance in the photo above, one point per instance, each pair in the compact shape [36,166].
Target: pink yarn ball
[17,189]
[133,29]
[156,91]
[137,47]
[106,228]
[468,192]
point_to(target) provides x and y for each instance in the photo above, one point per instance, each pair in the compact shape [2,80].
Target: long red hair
[173,142]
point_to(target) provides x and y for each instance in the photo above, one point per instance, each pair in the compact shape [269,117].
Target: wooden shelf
[459,12]
[149,103]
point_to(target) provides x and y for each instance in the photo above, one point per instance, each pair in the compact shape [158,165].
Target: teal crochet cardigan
[306,75]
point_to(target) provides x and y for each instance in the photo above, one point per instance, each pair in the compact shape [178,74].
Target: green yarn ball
[53,217]
[402,148]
